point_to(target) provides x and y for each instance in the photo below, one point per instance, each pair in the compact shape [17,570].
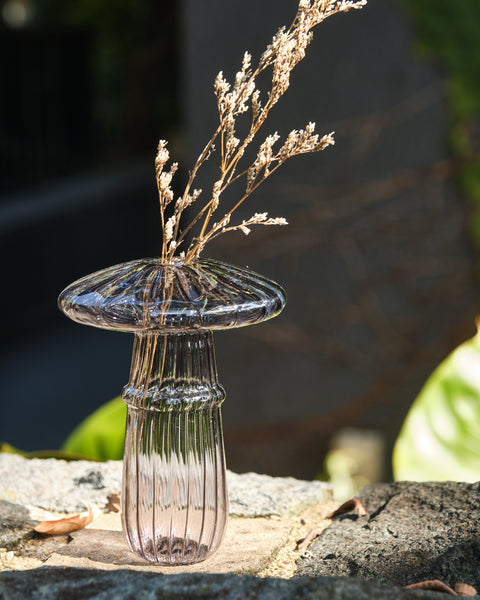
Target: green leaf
[102,434]
[7,448]
[440,439]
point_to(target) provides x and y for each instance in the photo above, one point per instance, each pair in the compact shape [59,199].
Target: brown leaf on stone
[348,506]
[311,535]
[435,585]
[463,589]
[113,504]
[65,525]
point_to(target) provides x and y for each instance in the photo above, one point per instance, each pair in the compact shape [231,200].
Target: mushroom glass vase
[174,494]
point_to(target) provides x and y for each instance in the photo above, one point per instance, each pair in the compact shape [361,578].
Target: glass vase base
[172,551]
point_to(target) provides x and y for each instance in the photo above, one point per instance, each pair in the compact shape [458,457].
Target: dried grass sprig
[287,49]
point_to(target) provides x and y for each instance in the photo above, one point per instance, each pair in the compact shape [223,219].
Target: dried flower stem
[287,49]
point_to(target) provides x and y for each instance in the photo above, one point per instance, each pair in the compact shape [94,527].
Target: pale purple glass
[174,498]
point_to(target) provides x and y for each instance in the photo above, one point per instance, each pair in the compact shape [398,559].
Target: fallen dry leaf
[312,534]
[434,585]
[66,525]
[348,506]
[461,589]
[464,589]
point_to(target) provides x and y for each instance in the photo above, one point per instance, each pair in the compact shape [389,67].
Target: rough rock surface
[20,546]
[58,485]
[55,583]
[254,495]
[15,524]
[412,532]
[75,486]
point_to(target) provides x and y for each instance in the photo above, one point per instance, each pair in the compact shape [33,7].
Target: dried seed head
[162,156]
[247,59]
[170,224]
[287,49]
[217,190]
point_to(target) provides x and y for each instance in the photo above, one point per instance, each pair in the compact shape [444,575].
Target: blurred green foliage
[102,433]
[440,438]
[448,31]
[7,448]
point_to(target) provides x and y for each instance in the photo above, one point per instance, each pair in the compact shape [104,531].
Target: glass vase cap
[147,295]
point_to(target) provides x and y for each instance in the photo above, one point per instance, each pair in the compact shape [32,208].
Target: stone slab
[254,495]
[248,547]
[47,489]
[58,485]
[412,532]
[76,486]
[59,583]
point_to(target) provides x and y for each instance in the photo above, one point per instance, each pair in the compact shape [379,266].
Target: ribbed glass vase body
[174,500]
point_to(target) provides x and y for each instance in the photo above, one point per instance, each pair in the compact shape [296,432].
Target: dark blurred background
[377,263]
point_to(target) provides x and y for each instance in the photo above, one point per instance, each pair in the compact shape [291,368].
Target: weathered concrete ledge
[61,486]
[265,517]
[412,532]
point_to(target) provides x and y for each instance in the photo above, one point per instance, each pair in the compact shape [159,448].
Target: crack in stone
[379,510]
